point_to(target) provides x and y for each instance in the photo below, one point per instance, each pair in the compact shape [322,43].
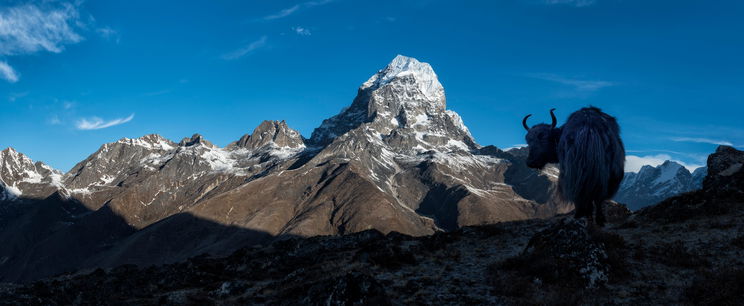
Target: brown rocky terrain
[685,250]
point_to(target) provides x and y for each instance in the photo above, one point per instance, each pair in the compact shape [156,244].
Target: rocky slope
[685,250]
[651,184]
[395,160]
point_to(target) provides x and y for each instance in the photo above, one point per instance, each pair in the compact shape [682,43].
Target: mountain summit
[404,106]
[418,73]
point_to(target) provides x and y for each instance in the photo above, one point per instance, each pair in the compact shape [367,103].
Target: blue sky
[74,75]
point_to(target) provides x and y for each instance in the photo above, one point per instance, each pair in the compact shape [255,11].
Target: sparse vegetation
[719,287]
[738,242]
[676,254]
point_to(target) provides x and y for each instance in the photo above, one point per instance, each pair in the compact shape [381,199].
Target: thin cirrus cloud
[260,43]
[703,140]
[516,146]
[293,9]
[579,85]
[110,34]
[31,28]
[575,3]
[283,13]
[96,123]
[302,31]
[633,163]
[8,73]
[17,95]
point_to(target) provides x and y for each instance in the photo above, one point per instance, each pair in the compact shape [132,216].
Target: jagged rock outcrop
[726,178]
[654,184]
[722,192]
[275,133]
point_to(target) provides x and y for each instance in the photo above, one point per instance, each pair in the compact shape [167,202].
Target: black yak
[590,155]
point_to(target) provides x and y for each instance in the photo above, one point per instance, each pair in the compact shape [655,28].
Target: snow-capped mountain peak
[403,66]
[652,184]
[669,171]
[19,175]
[404,105]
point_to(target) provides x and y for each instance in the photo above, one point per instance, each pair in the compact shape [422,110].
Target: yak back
[591,156]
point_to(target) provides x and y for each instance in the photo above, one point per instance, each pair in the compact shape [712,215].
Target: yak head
[542,140]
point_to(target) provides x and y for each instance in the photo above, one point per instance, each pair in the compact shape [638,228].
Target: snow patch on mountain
[219,160]
[150,142]
[32,177]
[285,152]
[669,171]
[10,192]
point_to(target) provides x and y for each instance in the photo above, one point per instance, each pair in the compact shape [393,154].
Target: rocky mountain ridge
[683,251]
[395,160]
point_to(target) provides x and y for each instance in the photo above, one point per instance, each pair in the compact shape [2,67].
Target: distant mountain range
[654,184]
[394,160]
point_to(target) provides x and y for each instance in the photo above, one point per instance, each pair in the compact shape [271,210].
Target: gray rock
[271,132]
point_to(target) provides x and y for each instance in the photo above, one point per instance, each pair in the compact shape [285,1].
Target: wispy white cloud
[293,9]
[575,3]
[96,123]
[516,146]
[697,158]
[283,13]
[68,104]
[9,74]
[634,163]
[54,120]
[702,140]
[30,28]
[302,31]
[17,95]
[110,34]
[261,42]
[579,85]
[156,93]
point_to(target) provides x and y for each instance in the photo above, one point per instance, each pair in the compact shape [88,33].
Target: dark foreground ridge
[685,250]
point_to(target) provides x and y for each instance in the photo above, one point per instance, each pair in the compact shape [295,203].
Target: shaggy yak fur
[590,155]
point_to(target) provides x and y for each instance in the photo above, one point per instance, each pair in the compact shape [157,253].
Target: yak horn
[555,121]
[524,122]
